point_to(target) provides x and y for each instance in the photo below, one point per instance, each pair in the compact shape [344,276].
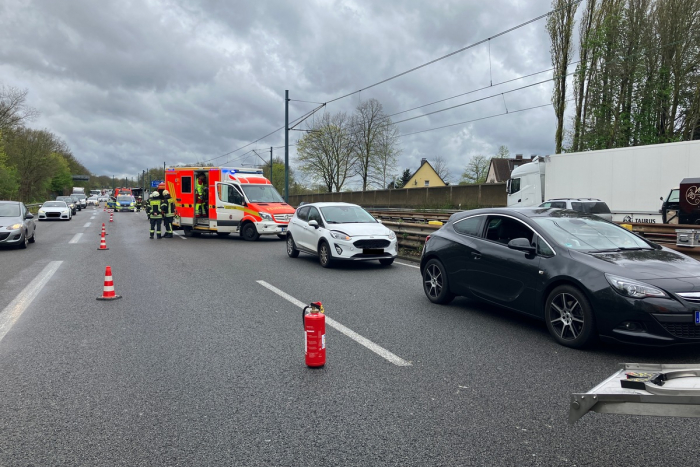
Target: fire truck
[235,200]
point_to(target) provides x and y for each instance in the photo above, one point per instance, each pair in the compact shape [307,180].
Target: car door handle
[219,207]
[476,255]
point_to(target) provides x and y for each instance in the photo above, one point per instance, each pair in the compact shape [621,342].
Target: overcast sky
[130,84]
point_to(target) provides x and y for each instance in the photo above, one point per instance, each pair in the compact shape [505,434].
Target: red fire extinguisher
[315,335]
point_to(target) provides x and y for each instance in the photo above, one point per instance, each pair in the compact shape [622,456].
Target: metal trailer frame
[656,400]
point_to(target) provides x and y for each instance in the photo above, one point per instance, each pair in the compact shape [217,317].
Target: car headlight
[340,235]
[266,216]
[132,204]
[41,211]
[633,289]
[14,226]
[392,236]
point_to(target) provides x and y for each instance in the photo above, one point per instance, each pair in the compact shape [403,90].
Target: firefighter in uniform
[155,214]
[201,194]
[139,203]
[168,214]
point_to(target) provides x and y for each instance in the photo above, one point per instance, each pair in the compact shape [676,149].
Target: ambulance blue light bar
[242,170]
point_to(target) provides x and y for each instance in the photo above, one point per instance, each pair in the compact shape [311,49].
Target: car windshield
[9,210]
[347,215]
[674,196]
[124,199]
[262,194]
[55,204]
[590,234]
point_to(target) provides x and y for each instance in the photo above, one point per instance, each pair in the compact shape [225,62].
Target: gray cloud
[129,84]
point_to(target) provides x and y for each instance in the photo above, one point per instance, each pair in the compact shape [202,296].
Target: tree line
[637,77]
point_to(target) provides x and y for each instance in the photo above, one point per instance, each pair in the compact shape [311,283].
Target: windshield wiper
[621,248]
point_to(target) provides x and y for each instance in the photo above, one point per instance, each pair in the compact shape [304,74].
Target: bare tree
[14,111]
[383,164]
[560,26]
[327,152]
[502,153]
[440,166]
[476,170]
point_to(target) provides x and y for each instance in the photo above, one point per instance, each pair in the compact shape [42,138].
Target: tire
[436,284]
[325,257]
[386,262]
[23,242]
[250,233]
[187,231]
[569,317]
[33,239]
[292,251]
[223,234]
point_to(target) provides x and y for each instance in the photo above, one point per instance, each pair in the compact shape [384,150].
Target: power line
[574,2]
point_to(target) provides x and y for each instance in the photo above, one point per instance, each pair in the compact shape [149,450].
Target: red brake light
[427,237]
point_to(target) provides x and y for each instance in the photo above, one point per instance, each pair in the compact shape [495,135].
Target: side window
[504,229]
[303,213]
[577,207]
[546,205]
[187,184]
[542,247]
[559,205]
[314,215]
[470,226]
[234,195]
[514,186]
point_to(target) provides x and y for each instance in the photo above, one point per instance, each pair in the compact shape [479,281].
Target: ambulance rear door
[229,207]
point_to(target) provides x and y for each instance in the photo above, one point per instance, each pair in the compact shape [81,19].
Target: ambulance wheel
[250,233]
[324,255]
[187,231]
[291,247]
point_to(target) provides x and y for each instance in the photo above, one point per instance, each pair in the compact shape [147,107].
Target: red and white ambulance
[237,200]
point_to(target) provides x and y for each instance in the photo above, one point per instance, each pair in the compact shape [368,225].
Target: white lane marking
[88,224]
[92,217]
[14,310]
[381,351]
[409,265]
[76,238]
[180,235]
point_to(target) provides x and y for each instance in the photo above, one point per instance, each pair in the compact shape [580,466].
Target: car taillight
[427,237]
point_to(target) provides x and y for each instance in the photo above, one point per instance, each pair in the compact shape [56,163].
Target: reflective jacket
[154,211]
[169,207]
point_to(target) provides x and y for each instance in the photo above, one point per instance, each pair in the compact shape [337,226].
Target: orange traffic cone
[103,242]
[108,293]
[110,217]
[104,232]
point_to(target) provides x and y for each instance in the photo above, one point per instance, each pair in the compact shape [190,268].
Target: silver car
[17,227]
[55,210]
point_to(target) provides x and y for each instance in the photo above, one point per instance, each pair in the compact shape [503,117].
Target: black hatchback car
[584,276]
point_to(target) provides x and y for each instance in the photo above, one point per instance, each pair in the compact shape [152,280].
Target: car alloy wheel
[291,247]
[435,284]
[33,239]
[324,255]
[569,317]
[23,242]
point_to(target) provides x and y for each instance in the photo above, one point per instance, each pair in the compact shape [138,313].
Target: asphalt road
[200,364]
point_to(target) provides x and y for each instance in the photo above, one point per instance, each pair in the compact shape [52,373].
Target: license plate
[373,251]
[697,318]
[284,229]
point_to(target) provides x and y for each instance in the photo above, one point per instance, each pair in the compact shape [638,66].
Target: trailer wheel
[249,232]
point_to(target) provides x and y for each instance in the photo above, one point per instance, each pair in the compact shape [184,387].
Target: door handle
[219,207]
[476,255]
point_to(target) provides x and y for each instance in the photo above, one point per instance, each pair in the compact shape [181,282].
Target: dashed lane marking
[409,265]
[76,238]
[14,310]
[88,224]
[381,351]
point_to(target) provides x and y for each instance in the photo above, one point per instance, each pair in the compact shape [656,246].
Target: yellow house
[424,176]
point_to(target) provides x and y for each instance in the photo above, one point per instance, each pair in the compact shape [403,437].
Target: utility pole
[270,164]
[286,145]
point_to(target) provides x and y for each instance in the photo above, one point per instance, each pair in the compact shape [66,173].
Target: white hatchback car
[340,231]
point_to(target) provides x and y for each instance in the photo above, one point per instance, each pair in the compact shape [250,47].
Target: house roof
[423,162]
[502,169]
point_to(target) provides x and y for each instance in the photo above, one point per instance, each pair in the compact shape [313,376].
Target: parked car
[76,200]
[340,232]
[93,200]
[55,210]
[17,226]
[70,202]
[103,198]
[585,205]
[585,277]
[125,203]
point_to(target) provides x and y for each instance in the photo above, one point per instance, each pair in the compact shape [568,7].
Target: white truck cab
[526,185]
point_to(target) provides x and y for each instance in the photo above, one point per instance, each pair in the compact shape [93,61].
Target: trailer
[651,389]
[630,180]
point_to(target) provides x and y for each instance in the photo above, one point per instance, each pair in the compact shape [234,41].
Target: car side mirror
[29,215]
[661,198]
[521,244]
[313,224]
